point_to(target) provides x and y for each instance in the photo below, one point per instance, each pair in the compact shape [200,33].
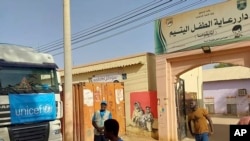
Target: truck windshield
[28,80]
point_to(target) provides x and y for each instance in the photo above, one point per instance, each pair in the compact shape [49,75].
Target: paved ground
[221,128]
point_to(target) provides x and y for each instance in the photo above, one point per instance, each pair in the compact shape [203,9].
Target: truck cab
[30,102]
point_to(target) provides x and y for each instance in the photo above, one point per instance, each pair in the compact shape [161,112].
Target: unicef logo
[47,108]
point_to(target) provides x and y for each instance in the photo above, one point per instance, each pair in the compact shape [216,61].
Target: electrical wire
[93,32]
[134,27]
[103,24]
[120,26]
[100,33]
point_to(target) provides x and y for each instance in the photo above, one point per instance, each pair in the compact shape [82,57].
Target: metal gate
[181,109]
[87,98]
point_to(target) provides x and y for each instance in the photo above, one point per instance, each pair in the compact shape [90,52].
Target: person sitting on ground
[111,130]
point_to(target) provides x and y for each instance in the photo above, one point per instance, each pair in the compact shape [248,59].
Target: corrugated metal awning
[104,66]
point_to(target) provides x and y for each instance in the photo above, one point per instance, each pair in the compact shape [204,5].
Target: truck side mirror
[59,81]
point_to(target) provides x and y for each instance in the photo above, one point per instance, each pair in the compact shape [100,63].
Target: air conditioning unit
[242,92]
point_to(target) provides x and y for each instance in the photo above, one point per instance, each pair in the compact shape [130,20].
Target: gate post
[167,119]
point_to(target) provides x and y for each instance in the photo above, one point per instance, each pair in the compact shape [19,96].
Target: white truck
[30,102]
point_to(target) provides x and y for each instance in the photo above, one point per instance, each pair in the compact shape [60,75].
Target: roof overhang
[104,66]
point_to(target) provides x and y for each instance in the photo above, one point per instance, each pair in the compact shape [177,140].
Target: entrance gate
[87,99]
[181,109]
[170,66]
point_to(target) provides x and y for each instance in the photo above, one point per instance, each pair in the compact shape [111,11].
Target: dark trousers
[100,138]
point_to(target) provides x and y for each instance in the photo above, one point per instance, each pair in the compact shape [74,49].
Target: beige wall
[137,80]
[193,81]
[140,77]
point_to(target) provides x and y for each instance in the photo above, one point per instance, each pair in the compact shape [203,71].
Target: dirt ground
[140,138]
[136,138]
[221,133]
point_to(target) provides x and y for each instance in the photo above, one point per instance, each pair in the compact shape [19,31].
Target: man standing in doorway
[98,120]
[199,117]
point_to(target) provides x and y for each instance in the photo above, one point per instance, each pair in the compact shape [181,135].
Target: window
[28,80]
[209,103]
[210,108]
[232,109]
[242,92]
